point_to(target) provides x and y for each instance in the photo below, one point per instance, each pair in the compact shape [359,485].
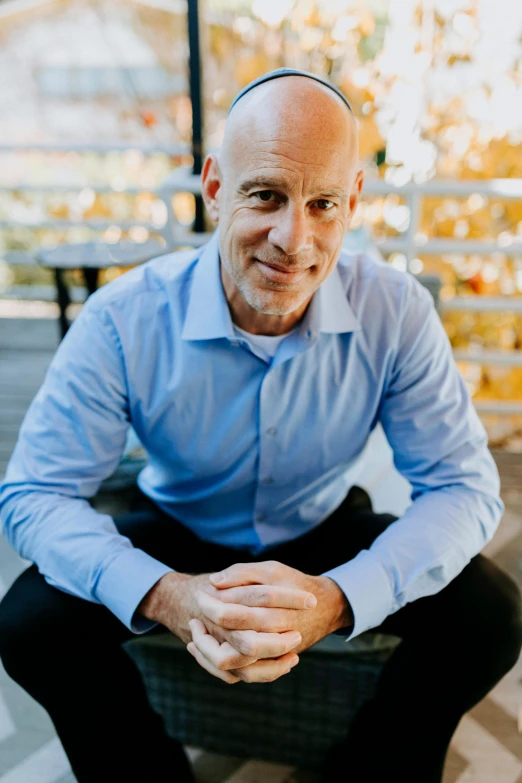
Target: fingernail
[310,602]
[217,578]
[295,662]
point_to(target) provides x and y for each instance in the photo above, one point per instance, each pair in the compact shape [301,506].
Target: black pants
[66,653]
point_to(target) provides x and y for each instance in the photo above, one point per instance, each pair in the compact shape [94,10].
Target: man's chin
[276,305]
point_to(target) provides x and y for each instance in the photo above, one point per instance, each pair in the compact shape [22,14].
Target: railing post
[413,202]
[197,106]
[169,230]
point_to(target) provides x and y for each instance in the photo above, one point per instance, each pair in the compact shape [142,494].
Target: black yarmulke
[288,72]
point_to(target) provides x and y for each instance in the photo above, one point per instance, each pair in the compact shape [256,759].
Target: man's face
[283,205]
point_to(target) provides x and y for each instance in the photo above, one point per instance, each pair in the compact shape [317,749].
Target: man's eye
[264,195]
[324,204]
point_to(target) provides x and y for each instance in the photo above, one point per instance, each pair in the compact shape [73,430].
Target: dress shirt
[250,453]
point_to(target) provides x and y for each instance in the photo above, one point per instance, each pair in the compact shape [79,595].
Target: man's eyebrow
[264,183]
[260,182]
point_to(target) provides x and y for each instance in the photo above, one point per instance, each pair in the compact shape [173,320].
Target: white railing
[411,242]
[168,149]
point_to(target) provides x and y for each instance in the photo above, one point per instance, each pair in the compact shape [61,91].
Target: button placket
[267,450]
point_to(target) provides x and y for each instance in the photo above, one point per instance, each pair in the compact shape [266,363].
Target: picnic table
[90,257]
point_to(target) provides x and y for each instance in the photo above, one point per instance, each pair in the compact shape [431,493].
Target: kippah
[288,72]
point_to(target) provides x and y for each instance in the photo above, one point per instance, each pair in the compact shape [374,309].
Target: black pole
[197,107]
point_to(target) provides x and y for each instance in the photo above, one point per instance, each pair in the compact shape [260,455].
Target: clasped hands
[249,621]
[254,618]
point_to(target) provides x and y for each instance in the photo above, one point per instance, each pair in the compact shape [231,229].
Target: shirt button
[271,431]
[260,517]
[268,480]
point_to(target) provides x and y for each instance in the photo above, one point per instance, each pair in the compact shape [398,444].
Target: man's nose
[291,231]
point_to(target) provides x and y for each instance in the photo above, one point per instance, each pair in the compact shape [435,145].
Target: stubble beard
[264,302]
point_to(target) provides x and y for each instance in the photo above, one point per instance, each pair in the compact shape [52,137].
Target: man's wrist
[342,614]
[154,604]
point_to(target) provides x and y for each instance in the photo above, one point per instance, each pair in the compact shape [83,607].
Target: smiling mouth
[279,273]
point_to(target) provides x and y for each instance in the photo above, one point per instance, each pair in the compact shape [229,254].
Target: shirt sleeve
[440,447]
[71,439]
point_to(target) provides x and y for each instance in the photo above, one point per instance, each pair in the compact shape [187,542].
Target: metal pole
[197,108]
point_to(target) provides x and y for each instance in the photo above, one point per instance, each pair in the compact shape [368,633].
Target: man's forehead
[272,144]
[287,152]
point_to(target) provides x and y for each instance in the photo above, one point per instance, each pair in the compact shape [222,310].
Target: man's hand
[257,596]
[224,662]
[177,599]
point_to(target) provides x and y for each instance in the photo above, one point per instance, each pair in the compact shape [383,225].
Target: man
[253,371]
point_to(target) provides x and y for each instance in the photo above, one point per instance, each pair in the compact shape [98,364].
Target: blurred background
[106,112]
[96,120]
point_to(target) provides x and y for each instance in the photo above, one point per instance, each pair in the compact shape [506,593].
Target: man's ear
[356,191]
[211,185]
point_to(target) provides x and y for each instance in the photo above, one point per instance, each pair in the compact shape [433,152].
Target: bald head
[289,108]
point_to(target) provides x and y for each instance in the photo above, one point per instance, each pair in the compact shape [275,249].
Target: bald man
[253,370]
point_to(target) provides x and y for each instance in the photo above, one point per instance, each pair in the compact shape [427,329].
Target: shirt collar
[335,312]
[208,315]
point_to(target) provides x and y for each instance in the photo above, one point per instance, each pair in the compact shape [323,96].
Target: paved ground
[486,746]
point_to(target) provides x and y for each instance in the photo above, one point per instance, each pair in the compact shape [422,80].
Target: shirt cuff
[125,582]
[365,584]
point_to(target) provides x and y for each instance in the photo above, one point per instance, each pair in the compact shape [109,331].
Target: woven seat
[294,720]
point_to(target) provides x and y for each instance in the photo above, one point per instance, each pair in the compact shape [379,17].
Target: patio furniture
[90,257]
[294,720]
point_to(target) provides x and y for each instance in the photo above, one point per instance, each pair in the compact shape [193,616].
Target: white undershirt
[262,344]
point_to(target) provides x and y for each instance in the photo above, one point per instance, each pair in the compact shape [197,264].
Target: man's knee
[31,624]
[16,635]
[497,606]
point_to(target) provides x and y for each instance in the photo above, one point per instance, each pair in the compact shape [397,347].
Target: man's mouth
[279,273]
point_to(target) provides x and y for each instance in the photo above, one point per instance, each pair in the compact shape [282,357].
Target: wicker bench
[294,720]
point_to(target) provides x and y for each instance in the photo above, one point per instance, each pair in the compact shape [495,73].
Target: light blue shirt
[245,451]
